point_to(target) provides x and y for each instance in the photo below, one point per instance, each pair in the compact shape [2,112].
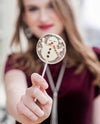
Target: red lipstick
[44,27]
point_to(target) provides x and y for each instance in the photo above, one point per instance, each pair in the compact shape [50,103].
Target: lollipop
[51,49]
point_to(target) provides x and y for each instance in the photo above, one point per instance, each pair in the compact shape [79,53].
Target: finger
[33,106]
[47,107]
[35,92]
[39,80]
[50,101]
[24,120]
[25,111]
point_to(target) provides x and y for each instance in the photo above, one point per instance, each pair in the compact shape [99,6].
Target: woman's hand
[31,111]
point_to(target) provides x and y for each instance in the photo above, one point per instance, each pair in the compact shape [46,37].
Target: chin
[46,32]
[42,33]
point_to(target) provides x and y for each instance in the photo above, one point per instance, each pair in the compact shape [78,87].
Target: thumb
[38,80]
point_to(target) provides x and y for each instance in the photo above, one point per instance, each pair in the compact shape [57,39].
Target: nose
[43,16]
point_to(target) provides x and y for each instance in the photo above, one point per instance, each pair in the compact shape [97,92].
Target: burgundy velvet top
[76,93]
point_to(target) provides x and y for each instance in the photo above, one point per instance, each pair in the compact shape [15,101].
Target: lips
[44,27]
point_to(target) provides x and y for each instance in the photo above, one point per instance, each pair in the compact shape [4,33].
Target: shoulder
[12,62]
[97,51]
[9,58]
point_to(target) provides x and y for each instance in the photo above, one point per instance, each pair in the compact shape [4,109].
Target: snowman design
[51,48]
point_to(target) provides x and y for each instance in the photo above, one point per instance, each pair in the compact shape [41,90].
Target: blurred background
[89,19]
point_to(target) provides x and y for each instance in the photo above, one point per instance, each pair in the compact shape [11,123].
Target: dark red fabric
[76,93]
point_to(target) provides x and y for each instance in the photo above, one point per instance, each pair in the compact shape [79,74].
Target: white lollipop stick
[44,70]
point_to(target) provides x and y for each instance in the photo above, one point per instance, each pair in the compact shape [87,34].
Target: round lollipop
[51,49]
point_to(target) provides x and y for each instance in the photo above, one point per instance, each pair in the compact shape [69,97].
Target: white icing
[51,48]
[45,50]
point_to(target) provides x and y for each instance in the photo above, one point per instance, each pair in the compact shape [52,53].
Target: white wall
[90,16]
[91,13]
[7,15]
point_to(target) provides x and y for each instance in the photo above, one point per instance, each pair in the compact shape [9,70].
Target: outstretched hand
[31,111]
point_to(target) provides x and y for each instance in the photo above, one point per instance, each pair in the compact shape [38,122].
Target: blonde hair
[81,54]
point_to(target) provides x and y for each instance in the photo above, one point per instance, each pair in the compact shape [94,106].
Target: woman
[80,82]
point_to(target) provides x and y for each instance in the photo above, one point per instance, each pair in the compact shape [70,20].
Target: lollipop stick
[44,70]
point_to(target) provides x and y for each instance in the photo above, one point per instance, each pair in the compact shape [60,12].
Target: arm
[20,102]
[96,111]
